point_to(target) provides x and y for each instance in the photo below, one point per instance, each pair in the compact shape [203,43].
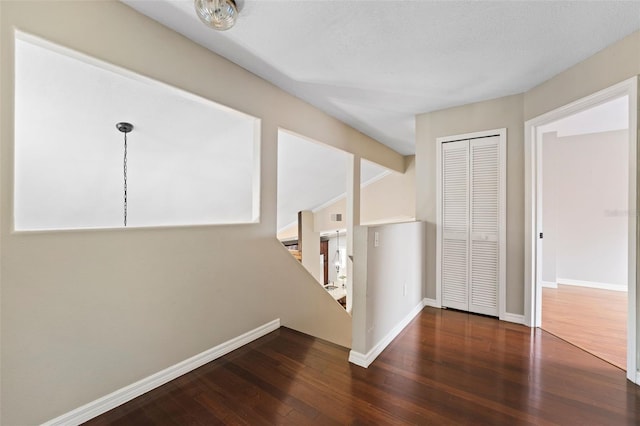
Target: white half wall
[389,273]
[585,213]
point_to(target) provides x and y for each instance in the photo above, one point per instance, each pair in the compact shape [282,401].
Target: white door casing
[533,225]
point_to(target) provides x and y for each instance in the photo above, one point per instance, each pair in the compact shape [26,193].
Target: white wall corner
[515,318]
[431,302]
[549,284]
[134,390]
[364,360]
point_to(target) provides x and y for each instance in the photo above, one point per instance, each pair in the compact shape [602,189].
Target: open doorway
[583,259]
[536,234]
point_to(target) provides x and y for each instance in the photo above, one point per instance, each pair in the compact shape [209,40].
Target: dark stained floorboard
[446,367]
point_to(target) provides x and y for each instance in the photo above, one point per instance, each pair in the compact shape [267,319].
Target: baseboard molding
[134,390]
[431,302]
[549,284]
[592,284]
[515,318]
[364,360]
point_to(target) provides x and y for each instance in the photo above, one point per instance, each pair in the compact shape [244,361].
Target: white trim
[530,275]
[376,178]
[515,318]
[359,359]
[502,223]
[389,221]
[549,284]
[474,135]
[364,360]
[438,223]
[502,235]
[134,390]
[329,203]
[431,302]
[533,291]
[632,295]
[592,284]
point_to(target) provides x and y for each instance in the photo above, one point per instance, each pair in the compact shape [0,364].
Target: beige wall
[290,233]
[612,65]
[494,114]
[84,313]
[310,247]
[390,199]
[616,63]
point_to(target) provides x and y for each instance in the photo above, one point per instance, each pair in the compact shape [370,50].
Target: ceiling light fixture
[218,14]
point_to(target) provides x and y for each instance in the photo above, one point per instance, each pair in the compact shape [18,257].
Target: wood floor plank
[590,318]
[445,368]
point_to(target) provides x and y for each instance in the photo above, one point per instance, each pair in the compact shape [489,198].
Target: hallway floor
[446,367]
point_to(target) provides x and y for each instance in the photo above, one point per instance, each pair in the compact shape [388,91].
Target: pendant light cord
[125,128]
[125,179]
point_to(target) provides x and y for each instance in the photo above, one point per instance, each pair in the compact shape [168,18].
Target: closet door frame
[502,240]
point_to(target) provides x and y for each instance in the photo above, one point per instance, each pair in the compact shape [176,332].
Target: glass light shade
[218,14]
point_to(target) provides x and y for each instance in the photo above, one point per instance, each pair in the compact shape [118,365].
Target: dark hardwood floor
[446,367]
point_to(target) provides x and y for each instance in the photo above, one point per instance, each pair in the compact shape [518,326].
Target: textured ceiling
[375,64]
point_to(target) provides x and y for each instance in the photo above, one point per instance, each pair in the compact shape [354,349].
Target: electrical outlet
[376,239]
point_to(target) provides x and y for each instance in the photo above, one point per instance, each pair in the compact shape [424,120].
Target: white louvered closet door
[455,225]
[471,200]
[484,223]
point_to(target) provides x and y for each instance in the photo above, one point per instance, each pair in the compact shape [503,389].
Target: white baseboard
[431,302]
[364,360]
[549,284]
[359,359]
[516,318]
[134,390]
[592,284]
